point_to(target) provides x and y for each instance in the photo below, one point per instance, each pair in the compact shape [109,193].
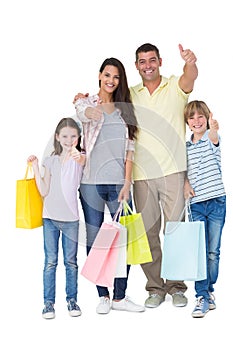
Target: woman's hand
[124,192]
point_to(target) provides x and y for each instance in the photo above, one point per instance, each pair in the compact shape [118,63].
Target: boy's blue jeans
[213,213]
[93,199]
[52,230]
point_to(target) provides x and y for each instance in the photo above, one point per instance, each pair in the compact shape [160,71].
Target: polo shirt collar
[163,82]
[203,139]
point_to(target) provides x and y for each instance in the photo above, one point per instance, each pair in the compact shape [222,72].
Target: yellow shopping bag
[29,202]
[138,249]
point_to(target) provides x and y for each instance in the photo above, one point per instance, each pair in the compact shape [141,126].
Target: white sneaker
[104,306]
[127,305]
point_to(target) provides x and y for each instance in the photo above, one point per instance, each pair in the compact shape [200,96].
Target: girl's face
[197,123]
[109,79]
[67,137]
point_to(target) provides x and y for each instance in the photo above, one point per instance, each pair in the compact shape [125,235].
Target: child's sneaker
[212,304]
[73,308]
[201,308]
[48,311]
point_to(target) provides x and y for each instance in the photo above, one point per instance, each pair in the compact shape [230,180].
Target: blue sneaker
[212,304]
[73,308]
[201,308]
[48,311]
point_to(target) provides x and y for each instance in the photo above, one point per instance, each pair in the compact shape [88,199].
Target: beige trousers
[159,200]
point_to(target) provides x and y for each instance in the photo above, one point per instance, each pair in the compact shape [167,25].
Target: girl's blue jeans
[52,230]
[213,213]
[94,198]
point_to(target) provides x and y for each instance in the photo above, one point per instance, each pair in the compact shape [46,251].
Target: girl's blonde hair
[196,106]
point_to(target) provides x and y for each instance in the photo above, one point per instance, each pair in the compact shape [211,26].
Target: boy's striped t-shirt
[204,169]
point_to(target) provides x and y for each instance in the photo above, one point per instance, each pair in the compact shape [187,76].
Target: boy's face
[197,123]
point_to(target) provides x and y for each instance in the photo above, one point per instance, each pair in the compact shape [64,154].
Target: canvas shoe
[48,311]
[212,305]
[154,300]
[73,308]
[104,306]
[201,308]
[127,305]
[179,299]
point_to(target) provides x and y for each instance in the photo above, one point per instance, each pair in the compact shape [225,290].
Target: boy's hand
[213,123]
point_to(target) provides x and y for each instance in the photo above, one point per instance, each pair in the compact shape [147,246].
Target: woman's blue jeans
[52,230]
[213,213]
[94,198]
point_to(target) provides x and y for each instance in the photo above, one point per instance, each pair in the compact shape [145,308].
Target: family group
[129,144]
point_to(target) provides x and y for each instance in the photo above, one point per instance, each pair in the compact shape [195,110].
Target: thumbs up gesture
[213,133]
[213,123]
[187,55]
[75,154]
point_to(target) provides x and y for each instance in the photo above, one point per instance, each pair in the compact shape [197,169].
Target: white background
[50,50]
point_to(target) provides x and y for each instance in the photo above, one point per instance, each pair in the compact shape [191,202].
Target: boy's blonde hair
[196,106]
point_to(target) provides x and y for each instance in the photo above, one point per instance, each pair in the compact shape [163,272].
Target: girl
[204,187]
[110,129]
[58,187]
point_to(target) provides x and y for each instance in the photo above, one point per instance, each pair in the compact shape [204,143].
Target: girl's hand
[74,153]
[32,159]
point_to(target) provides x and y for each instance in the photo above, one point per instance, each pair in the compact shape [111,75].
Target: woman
[109,128]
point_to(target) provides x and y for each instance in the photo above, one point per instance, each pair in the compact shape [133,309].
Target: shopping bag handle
[29,170]
[126,208]
[188,209]
[118,212]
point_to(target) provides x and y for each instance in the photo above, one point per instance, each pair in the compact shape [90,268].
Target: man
[160,158]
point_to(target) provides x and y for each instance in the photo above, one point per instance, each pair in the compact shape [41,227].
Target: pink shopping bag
[101,262]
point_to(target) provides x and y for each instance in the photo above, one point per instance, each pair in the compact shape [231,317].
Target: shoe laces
[178,293]
[72,305]
[199,302]
[49,307]
[154,295]
[104,300]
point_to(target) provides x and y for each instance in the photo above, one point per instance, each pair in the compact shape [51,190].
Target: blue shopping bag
[184,251]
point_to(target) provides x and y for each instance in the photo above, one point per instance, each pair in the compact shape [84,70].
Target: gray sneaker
[179,299]
[73,308]
[154,300]
[48,311]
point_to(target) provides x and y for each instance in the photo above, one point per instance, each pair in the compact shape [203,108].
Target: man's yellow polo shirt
[160,147]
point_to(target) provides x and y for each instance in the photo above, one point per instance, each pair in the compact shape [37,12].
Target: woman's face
[109,79]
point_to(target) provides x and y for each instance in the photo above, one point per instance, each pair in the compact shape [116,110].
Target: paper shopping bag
[101,262]
[184,251]
[121,266]
[29,202]
[138,249]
